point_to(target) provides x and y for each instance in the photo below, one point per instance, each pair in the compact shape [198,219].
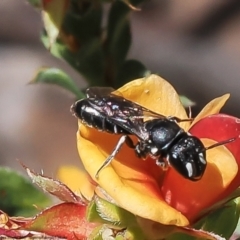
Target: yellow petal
[223,160]
[156,94]
[76,180]
[125,185]
[212,107]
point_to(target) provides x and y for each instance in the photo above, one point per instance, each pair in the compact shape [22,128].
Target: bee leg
[162,163]
[121,141]
[141,151]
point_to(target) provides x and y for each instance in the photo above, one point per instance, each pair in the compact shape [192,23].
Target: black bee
[159,137]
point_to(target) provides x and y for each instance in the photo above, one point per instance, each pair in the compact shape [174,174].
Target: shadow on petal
[191,198]
[221,127]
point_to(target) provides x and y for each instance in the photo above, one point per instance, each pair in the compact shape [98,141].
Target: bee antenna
[220,143]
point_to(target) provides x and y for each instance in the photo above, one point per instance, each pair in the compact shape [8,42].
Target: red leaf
[54,187]
[10,227]
[46,1]
[11,223]
[65,220]
[200,234]
[221,127]
[21,234]
[13,233]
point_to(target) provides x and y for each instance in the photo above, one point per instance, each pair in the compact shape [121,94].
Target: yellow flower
[143,188]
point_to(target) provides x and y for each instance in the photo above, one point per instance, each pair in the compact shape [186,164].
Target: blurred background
[192,44]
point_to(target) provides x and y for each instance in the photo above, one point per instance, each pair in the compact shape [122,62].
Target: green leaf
[224,220]
[221,222]
[83,21]
[18,194]
[114,214]
[96,234]
[92,213]
[53,14]
[54,187]
[154,230]
[235,194]
[103,211]
[102,232]
[114,220]
[57,77]
[181,236]
[87,60]
[56,48]
[237,230]
[118,41]
[186,102]
[186,233]
[130,70]
[118,34]
[108,211]
[90,62]
[132,233]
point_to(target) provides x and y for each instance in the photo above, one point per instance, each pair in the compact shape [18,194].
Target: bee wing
[98,91]
[134,126]
[147,114]
[120,111]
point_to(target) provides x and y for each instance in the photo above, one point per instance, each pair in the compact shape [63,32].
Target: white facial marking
[201,158]
[153,150]
[189,169]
